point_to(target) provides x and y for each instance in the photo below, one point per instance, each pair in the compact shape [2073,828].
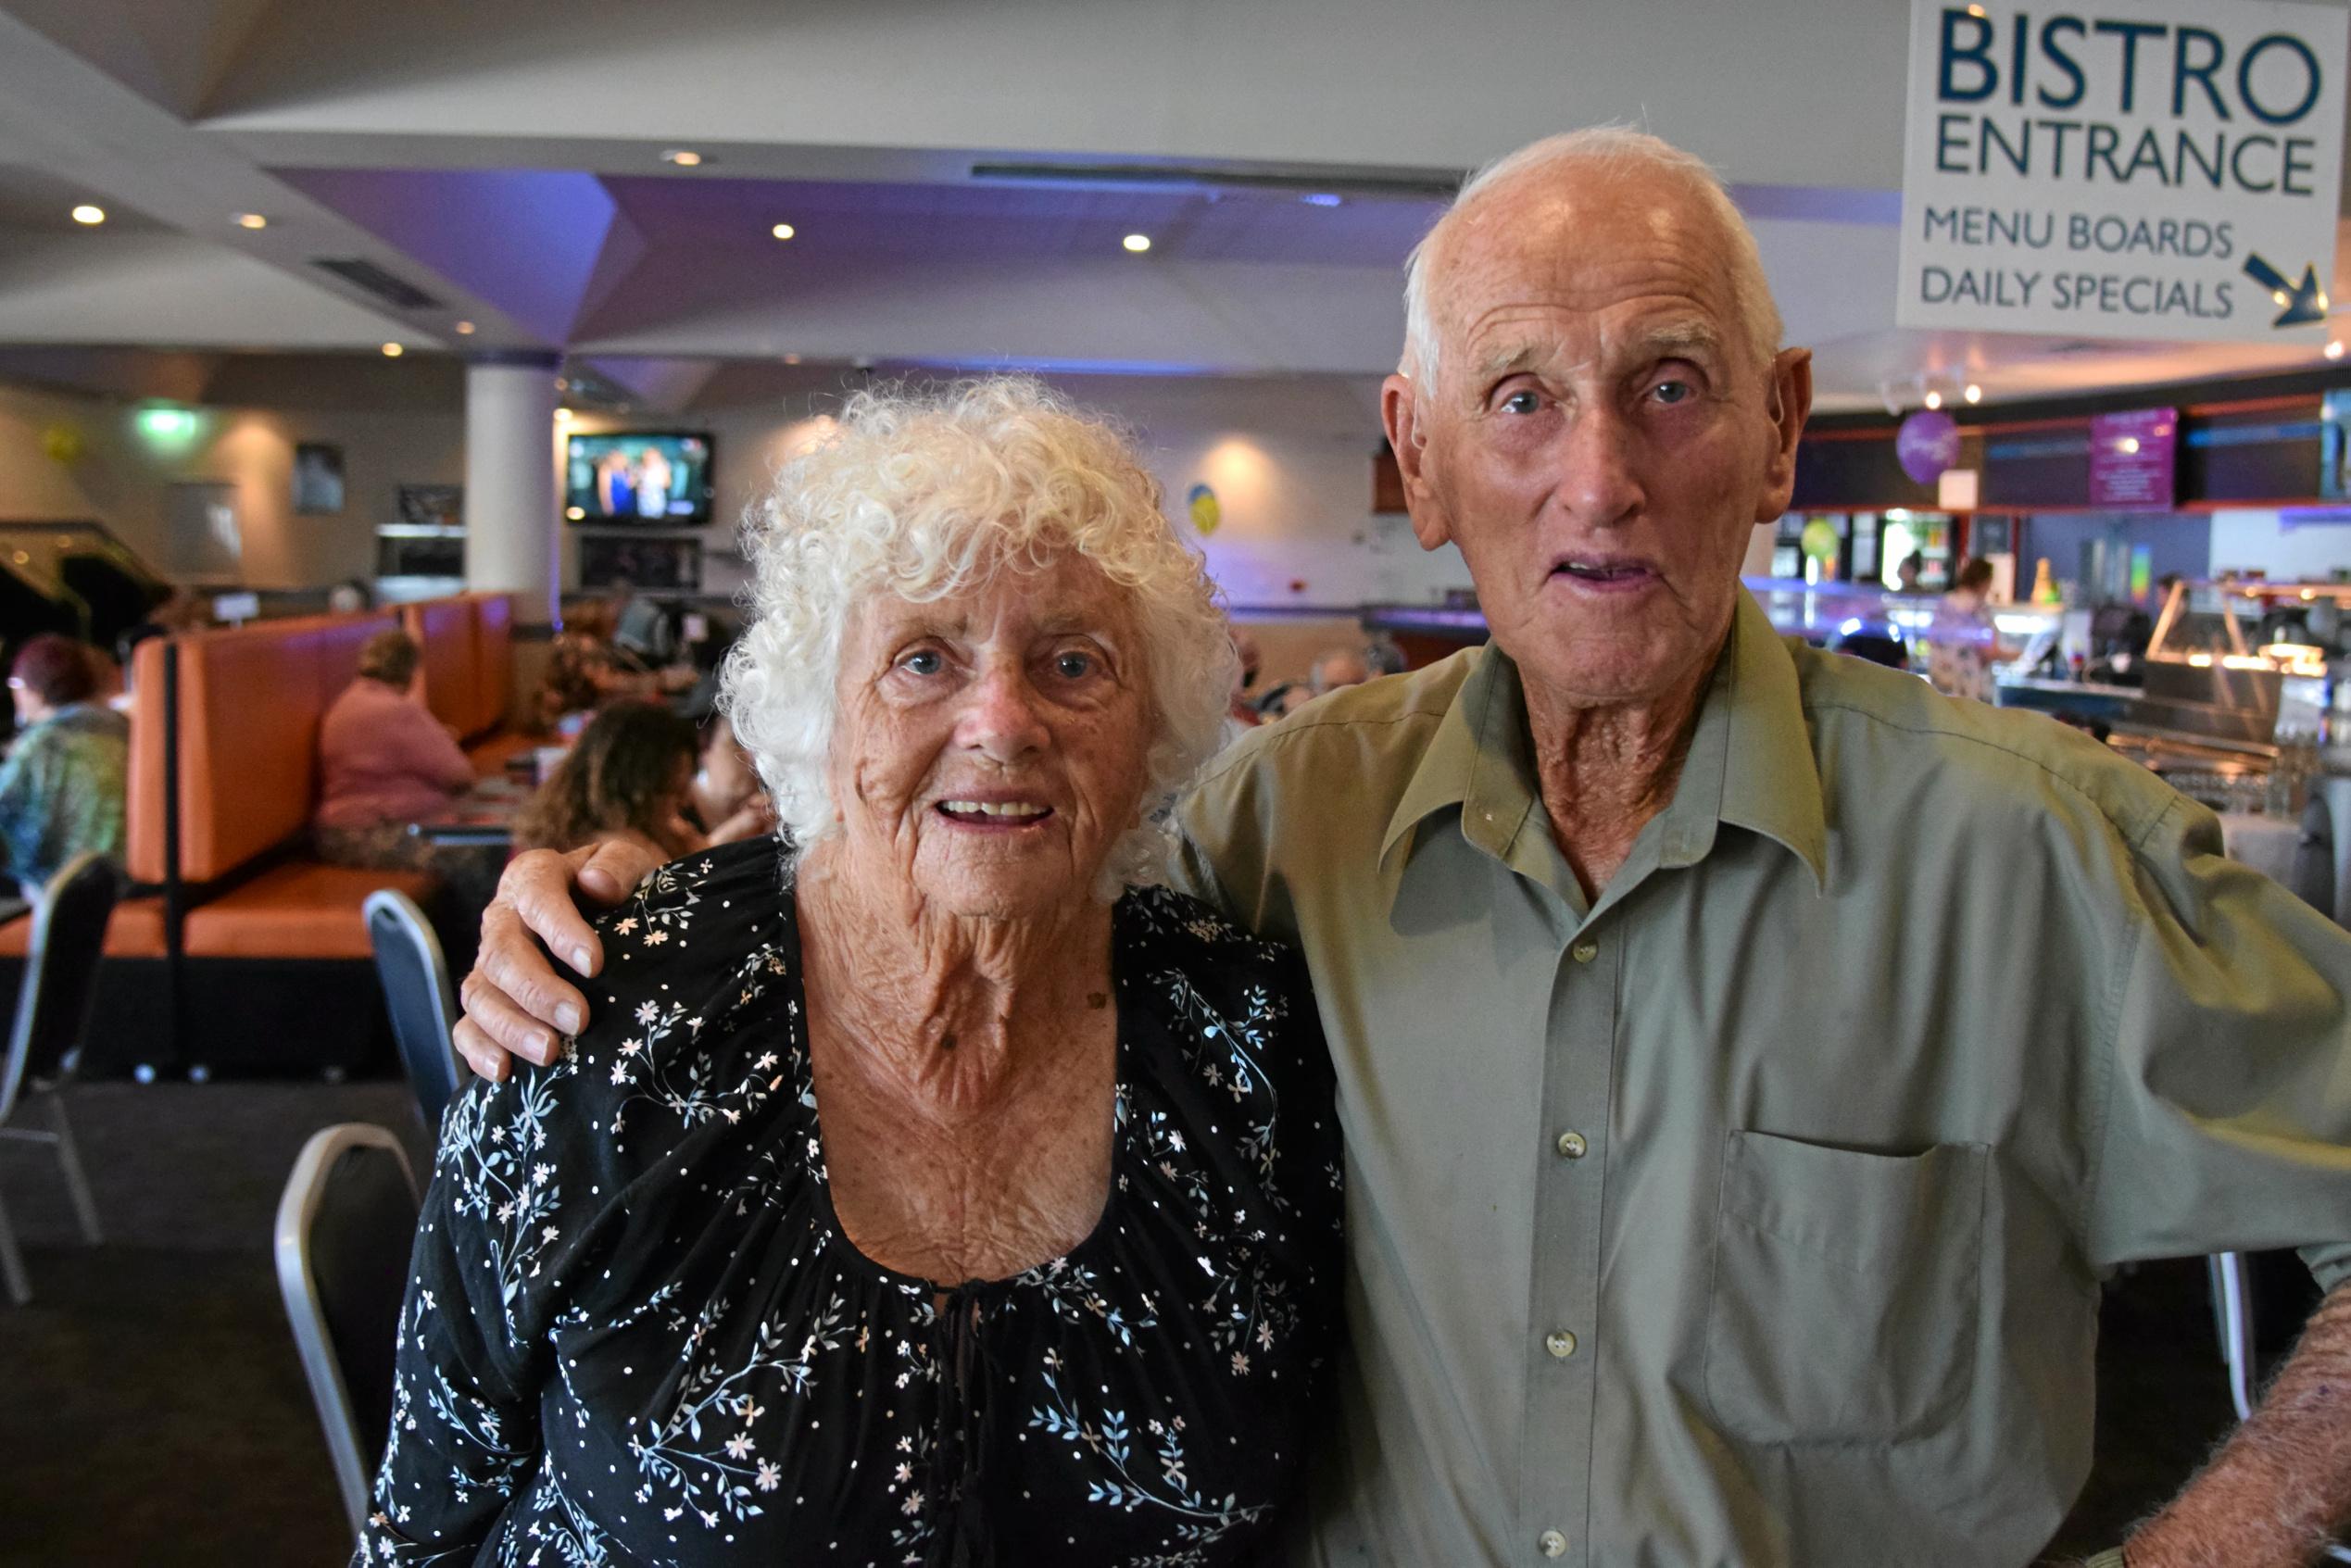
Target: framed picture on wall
[317,479]
[433,506]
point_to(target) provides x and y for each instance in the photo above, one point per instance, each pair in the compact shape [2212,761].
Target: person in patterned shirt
[938,1193]
[61,788]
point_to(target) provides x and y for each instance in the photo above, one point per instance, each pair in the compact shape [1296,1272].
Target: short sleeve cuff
[2110,1558]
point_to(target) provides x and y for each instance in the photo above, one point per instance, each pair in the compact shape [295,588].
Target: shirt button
[1553,1543]
[1584,952]
[1559,1343]
[1572,1145]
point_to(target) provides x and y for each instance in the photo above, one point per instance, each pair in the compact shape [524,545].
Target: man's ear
[1400,416]
[1791,405]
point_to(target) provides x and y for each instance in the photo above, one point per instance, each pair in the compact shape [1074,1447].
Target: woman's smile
[994,813]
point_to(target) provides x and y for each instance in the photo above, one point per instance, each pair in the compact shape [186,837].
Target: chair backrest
[415,987]
[60,967]
[347,1224]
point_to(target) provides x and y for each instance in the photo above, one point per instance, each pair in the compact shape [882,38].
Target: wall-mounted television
[637,476]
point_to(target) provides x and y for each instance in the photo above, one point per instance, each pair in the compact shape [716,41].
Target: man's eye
[1073,665]
[1671,392]
[922,661]
[1523,403]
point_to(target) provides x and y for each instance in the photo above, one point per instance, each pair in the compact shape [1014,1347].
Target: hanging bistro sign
[2159,169]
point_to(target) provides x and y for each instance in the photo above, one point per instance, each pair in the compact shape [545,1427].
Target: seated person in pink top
[383,761]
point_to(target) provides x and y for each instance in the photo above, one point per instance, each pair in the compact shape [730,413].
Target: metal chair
[2232,1314]
[53,1009]
[423,1004]
[345,1225]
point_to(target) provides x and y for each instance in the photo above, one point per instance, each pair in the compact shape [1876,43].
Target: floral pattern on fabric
[635,1334]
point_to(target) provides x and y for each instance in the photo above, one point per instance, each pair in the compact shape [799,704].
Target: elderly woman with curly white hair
[939,1192]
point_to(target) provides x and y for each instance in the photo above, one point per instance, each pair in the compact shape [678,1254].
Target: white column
[512,543]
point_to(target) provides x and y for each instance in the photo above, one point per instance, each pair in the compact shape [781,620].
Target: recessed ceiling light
[85,213]
[684,157]
[1974,392]
[1322,199]
[1137,243]
[465,329]
[252,221]
[2334,349]
[563,416]
[393,350]
[1934,399]
[783,231]
[575,513]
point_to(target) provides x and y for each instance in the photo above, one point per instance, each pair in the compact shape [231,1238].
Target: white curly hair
[927,493]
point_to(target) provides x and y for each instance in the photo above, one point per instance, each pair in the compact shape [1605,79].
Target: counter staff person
[1734,1149]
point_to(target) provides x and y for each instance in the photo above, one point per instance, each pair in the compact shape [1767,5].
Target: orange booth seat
[250,702]
[135,931]
[299,909]
[223,779]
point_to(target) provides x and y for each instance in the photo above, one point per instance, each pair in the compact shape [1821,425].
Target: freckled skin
[1597,396]
[963,1050]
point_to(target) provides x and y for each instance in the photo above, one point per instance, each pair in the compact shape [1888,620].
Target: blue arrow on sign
[2304,303]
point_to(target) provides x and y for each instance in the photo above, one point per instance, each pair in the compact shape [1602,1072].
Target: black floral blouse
[635,1333]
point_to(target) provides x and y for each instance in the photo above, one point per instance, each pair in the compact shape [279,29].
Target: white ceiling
[504,158]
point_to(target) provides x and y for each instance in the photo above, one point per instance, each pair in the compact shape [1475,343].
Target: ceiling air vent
[370,278]
[1389,184]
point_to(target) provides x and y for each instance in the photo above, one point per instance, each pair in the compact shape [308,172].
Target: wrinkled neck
[957,1010]
[1606,769]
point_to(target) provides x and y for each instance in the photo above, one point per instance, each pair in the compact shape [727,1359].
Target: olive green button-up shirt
[1755,1213]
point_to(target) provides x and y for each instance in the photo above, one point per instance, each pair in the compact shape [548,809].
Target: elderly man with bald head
[1734,1146]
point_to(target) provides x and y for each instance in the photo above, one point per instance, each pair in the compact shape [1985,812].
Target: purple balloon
[1927,444]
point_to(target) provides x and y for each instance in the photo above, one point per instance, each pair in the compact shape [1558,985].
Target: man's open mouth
[1606,574]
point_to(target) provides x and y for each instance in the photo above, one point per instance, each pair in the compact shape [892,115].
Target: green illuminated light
[167,425]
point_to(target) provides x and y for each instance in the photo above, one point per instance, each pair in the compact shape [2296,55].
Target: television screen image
[625,476]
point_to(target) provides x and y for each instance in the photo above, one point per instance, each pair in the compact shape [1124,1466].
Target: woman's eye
[1073,666]
[922,661]
[1522,403]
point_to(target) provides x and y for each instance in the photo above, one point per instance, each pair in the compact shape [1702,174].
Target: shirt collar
[1749,763]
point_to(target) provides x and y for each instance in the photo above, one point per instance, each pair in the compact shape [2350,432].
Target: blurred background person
[1240,714]
[582,673]
[616,484]
[1963,644]
[641,626]
[1907,573]
[725,801]
[630,777]
[653,480]
[61,788]
[1334,668]
[383,762]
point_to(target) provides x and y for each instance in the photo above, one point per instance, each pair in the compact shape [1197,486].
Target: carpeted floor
[152,1411]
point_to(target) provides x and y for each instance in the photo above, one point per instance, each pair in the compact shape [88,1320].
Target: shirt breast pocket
[1845,1289]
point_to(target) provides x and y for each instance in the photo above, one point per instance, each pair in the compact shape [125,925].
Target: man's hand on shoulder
[516,1003]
